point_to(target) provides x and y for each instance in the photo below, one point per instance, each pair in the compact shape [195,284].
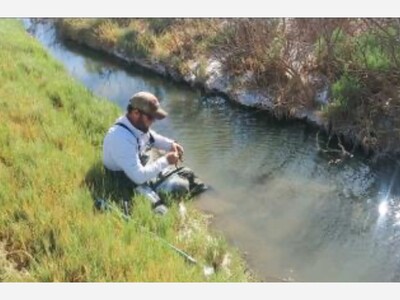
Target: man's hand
[172,157]
[178,149]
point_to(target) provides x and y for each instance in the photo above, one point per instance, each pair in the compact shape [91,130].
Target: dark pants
[124,188]
[121,185]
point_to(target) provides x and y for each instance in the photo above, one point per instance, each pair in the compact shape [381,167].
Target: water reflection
[383,208]
[276,198]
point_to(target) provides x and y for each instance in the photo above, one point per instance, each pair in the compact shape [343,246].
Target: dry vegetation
[357,59]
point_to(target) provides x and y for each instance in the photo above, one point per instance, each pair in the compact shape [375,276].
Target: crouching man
[126,156]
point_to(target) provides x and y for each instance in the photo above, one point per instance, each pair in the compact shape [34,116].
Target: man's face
[142,120]
[146,119]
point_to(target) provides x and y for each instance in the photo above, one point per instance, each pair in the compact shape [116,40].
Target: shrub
[370,53]
[107,32]
[346,92]
[158,26]
[137,44]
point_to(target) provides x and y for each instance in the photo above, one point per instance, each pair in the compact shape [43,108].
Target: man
[126,143]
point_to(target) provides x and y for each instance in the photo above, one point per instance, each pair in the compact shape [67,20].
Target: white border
[200,8]
[201,291]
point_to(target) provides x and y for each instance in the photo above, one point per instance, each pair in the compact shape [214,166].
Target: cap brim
[160,114]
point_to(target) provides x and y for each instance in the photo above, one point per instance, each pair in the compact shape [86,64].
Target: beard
[141,125]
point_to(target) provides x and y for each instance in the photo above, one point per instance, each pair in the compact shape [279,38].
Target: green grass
[51,132]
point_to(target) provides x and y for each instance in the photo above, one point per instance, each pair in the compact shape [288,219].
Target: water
[295,216]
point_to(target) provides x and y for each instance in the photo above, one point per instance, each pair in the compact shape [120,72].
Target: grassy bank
[51,132]
[356,60]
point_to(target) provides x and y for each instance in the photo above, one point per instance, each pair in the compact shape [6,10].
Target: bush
[346,92]
[370,53]
[137,44]
[107,32]
[158,26]
[344,51]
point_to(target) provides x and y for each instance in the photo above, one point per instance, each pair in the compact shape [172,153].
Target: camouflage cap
[148,103]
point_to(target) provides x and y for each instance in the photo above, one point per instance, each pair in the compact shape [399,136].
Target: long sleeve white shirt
[121,151]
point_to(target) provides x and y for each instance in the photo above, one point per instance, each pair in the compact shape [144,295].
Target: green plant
[160,25]
[346,92]
[370,54]
[107,32]
[136,43]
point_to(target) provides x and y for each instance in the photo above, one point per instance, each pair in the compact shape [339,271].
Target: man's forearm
[141,174]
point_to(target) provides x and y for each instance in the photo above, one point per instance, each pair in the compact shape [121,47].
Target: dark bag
[180,182]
